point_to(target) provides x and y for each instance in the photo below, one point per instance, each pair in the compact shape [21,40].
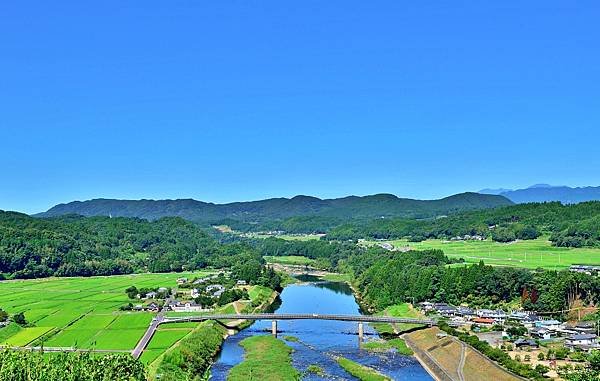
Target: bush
[541,356]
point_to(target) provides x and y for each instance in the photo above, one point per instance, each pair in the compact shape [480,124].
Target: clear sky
[239,100]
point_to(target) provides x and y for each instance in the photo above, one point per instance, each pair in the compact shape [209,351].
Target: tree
[3,315]
[19,318]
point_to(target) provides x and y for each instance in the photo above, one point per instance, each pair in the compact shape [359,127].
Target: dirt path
[461,363]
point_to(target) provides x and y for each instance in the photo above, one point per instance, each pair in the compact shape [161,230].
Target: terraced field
[81,312]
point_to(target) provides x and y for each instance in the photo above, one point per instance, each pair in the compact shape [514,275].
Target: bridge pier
[274,328]
[361,331]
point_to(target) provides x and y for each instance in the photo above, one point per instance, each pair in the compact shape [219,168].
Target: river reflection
[320,340]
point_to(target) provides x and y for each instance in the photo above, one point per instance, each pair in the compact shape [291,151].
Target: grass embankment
[528,254]
[193,355]
[388,331]
[265,358]
[447,353]
[364,373]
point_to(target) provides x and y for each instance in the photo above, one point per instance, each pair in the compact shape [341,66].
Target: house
[215,289]
[551,324]
[153,307]
[529,343]
[241,282]
[186,307]
[541,333]
[582,340]
[182,280]
[444,309]
[530,320]
[492,314]
[466,312]
[151,295]
[162,290]
[195,293]
[585,269]
[584,327]
[483,321]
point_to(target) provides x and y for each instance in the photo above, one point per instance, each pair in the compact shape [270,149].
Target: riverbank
[447,358]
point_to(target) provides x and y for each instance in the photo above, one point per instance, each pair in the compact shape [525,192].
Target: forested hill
[82,246]
[352,207]
[575,225]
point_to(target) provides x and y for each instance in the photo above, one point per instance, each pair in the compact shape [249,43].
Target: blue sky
[242,100]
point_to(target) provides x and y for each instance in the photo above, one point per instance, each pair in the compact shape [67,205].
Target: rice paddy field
[528,254]
[84,312]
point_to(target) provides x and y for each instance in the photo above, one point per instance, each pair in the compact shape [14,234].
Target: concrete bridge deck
[266,316]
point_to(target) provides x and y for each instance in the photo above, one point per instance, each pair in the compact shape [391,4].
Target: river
[320,340]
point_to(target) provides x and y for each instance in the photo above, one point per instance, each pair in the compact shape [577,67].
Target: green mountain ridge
[351,207]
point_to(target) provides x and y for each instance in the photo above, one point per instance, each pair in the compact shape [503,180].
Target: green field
[528,254]
[290,260]
[79,312]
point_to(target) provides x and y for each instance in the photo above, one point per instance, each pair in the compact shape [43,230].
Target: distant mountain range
[545,192]
[352,207]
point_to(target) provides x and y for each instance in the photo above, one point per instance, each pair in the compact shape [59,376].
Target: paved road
[141,345]
[158,320]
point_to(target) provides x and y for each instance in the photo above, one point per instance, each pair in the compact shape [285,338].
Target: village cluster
[191,295]
[580,336]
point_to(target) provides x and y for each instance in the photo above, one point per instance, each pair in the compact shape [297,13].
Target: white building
[186,307]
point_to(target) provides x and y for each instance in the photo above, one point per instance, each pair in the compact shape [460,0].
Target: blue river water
[319,340]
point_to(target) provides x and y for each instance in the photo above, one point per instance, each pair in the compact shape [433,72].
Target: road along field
[529,254]
[80,312]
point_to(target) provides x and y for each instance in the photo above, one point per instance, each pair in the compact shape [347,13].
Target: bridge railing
[270,316]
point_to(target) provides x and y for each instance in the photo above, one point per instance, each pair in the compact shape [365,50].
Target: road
[158,320]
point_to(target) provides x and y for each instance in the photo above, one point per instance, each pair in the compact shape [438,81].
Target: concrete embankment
[448,359]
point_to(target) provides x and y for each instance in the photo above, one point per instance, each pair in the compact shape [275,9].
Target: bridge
[360,319]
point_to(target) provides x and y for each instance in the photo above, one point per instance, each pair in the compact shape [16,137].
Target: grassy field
[385,345]
[265,358]
[361,372]
[78,312]
[397,310]
[259,294]
[290,260]
[528,254]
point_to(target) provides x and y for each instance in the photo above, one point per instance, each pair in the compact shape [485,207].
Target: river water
[320,340]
